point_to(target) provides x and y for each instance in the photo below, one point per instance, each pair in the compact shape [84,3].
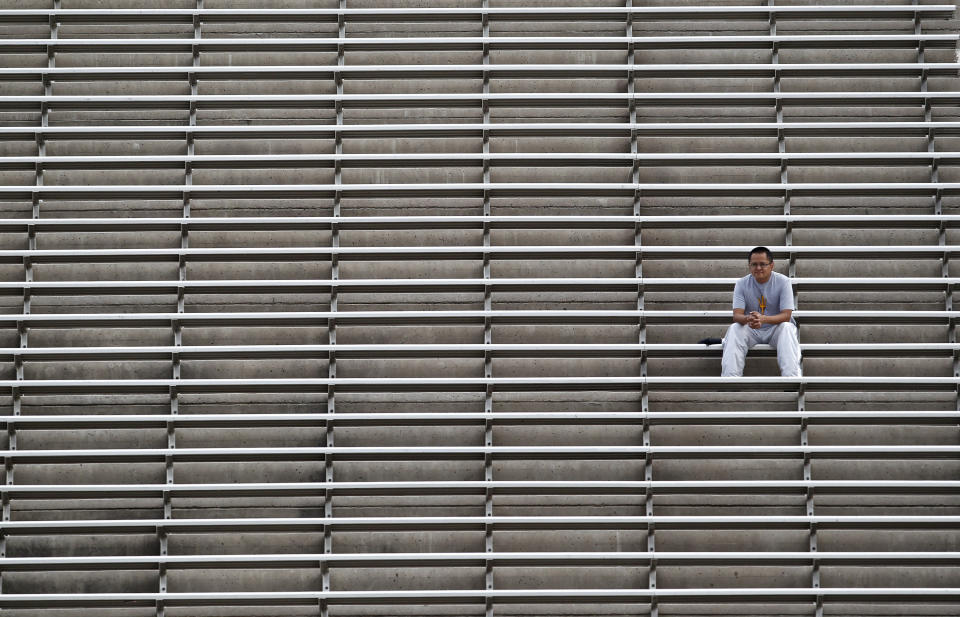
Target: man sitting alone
[762,313]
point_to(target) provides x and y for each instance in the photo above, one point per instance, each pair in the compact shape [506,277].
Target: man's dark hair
[761,249]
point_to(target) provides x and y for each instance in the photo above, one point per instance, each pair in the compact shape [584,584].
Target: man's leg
[784,338]
[735,346]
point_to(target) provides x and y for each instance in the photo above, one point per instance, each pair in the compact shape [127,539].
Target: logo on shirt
[763,305]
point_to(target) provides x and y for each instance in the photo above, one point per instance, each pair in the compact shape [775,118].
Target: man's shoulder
[780,279]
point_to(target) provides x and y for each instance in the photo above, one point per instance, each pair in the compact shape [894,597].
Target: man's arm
[739,304]
[755,320]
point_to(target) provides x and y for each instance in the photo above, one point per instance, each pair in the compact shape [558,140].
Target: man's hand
[755,320]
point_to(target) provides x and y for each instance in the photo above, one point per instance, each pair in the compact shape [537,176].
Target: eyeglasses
[760,264]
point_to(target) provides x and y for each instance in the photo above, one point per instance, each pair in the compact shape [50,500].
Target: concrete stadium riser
[602,462]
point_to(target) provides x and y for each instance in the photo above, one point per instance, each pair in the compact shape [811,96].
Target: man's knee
[787,329]
[788,350]
[736,335]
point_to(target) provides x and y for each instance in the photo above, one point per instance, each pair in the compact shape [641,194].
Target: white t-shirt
[767,299]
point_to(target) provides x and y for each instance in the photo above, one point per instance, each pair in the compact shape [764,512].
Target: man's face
[760,267]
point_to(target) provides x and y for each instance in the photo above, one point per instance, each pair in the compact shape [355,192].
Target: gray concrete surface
[612,540]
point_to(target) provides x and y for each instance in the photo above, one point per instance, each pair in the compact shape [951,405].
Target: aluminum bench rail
[525,596]
[523,159]
[257,420]
[468,189]
[639,489]
[413,351]
[465,285]
[467,523]
[262,223]
[442,317]
[479,384]
[474,100]
[376,15]
[492,129]
[470,252]
[477,43]
[477,71]
[498,453]
[474,560]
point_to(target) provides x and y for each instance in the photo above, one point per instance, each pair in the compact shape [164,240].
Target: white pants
[740,338]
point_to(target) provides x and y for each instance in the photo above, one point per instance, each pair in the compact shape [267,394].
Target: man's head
[760,263]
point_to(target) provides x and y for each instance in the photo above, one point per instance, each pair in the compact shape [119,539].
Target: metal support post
[635,179]
[641,302]
[8,472]
[22,330]
[167,514]
[809,505]
[781,143]
[331,407]
[328,469]
[176,325]
[486,113]
[488,529]
[488,411]
[8,480]
[644,393]
[648,501]
[638,274]
[488,496]
[937,199]
[328,458]
[651,532]
[487,323]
